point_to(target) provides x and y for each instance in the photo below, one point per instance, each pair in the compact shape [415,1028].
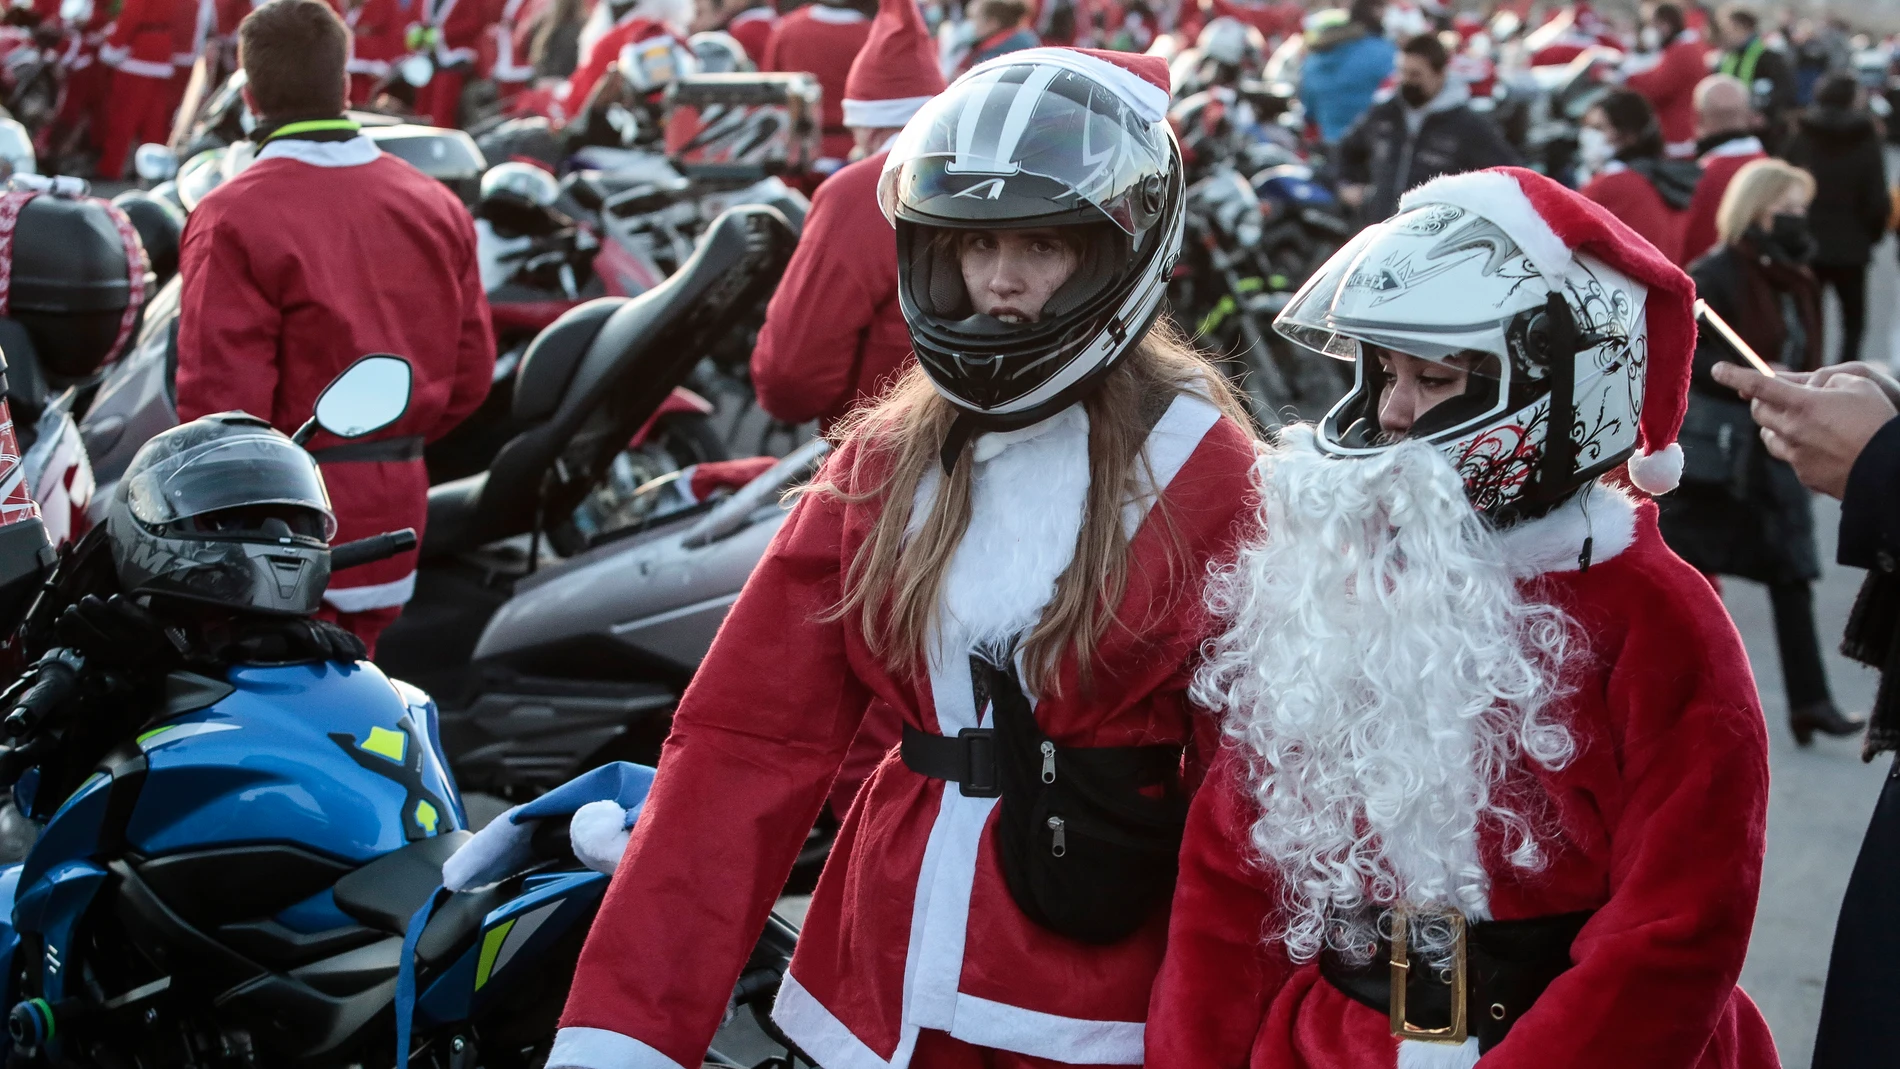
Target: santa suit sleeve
[805,363]
[475,352]
[228,324]
[1220,972]
[1676,73]
[1655,967]
[755,744]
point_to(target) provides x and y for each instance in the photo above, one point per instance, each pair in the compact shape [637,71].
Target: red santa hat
[895,72]
[1140,81]
[1551,224]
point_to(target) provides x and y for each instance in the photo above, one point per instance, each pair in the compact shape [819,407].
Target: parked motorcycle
[247,868]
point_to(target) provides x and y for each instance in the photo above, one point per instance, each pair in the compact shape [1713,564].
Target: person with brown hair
[1005,555]
[320,252]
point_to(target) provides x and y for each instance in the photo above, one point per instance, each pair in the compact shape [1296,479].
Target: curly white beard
[1382,673]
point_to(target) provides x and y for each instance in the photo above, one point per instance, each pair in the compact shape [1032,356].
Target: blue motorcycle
[248,869]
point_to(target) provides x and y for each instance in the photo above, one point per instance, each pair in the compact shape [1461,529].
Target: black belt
[1508,964]
[968,760]
[386,450]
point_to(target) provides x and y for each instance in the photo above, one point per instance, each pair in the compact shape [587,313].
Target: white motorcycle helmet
[1444,283]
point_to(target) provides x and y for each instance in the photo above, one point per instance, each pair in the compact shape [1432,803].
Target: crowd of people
[1416,734]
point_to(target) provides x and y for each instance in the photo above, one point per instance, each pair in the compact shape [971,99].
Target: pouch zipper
[1061,845]
[1048,761]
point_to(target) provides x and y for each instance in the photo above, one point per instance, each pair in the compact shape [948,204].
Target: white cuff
[597,1048]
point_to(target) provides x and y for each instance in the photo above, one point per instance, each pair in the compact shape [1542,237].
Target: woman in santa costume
[1005,555]
[1495,777]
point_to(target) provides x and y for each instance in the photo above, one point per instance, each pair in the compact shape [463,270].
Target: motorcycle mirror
[154,163]
[370,394]
[415,70]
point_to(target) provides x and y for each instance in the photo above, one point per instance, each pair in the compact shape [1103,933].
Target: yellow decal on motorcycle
[426,817]
[491,946]
[388,753]
[386,743]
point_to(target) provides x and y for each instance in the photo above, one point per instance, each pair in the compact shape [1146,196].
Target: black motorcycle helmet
[75,276]
[160,226]
[1047,137]
[223,511]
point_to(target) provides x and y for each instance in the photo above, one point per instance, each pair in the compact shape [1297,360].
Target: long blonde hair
[1757,185]
[894,582]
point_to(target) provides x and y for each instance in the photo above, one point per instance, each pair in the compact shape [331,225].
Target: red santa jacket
[911,926]
[379,29]
[1634,199]
[1719,165]
[504,48]
[317,254]
[459,26]
[145,36]
[605,52]
[833,333]
[1658,825]
[753,29]
[1669,86]
[822,41]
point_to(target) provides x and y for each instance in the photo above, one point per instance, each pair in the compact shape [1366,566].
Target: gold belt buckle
[1455,1032]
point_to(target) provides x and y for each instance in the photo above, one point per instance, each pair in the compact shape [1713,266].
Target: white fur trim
[836,16]
[499,849]
[882,114]
[1658,472]
[599,834]
[819,1033]
[1554,542]
[113,55]
[1416,1055]
[598,1048]
[147,68]
[375,68]
[984,1023]
[1149,100]
[1741,146]
[355,152]
[1499,198]
[374,596]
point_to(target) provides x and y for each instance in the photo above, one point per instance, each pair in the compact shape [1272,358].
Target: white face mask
[1594,149]
[1651,38]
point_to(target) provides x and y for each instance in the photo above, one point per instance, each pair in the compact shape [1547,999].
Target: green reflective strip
[314,126]
[491,946]
[1743,67]
[46,1011]
[154,733]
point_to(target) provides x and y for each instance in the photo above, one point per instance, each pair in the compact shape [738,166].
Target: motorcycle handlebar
[373,548]
[55,677]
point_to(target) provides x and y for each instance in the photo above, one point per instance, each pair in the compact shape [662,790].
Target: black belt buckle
[980,778]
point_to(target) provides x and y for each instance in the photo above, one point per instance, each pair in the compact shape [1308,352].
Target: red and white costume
[458,27]
[1654,821]
[911,928]
[753,29]
[276,303]
[1719,165]
[605,52]
[1668,80]
[506,45]
[1634,199]
[822,40]
[379,37]
[141,49]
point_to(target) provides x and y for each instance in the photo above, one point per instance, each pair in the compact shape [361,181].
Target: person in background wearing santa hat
[750,22]
[635,22]
[834,334]
[138,107]
[822,39]
[1005,554]
[1725,143]
[1666,71]
[1485,734]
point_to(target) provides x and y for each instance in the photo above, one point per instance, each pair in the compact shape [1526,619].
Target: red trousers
[441,100]
[138,109]
[365,625]
[936,1050]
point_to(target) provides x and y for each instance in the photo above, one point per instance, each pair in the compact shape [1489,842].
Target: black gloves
[290,641]
[117,633]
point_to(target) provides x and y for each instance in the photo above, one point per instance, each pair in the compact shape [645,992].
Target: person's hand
[1819,429]
[117,632]
[1884,379]
[1352,195]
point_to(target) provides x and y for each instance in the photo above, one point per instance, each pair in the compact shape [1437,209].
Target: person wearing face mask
[1740,511]
[1666,71]
[1838,142]
[1005,555]
[1622,148]
[1424,130]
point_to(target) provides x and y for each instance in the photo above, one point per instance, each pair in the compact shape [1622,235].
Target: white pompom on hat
[1551,224]
[895,72]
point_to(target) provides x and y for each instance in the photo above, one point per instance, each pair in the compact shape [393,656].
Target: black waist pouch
[1089,838]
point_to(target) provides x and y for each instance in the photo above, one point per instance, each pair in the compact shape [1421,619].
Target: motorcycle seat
[386,893]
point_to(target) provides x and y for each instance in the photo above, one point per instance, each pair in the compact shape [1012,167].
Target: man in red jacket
[1673,66]
[320,252]
[1726,123]
[449,33]
[822,38]
[140,50]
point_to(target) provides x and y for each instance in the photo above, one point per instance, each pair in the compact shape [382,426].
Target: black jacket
[1381,150]
[1842,150]
[1767,533]
[1770,82]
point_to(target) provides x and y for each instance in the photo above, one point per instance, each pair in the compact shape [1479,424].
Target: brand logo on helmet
[993,185]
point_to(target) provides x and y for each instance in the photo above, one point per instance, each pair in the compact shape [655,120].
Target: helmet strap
[962,429]
[1560,452]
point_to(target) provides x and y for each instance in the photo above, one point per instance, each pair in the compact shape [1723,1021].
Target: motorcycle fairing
[548,907]
[51,908]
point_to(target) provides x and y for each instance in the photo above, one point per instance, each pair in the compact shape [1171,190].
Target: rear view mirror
[370,395]
[154,163]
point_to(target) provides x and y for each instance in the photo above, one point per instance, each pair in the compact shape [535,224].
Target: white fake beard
[1382,673]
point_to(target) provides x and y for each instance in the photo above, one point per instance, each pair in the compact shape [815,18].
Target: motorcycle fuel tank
[339,760]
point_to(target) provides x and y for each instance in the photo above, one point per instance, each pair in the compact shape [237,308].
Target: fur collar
[1554,542]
